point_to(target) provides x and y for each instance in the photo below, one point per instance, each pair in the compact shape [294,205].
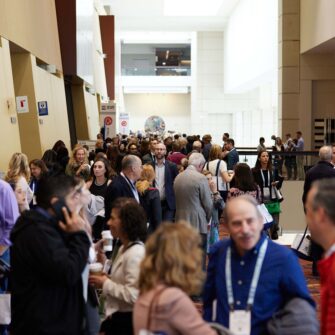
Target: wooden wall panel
[108,47]
[66,19]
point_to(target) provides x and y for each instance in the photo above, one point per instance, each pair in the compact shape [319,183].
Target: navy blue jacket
[319,171]
[232,159]
[171,172]
[116,189]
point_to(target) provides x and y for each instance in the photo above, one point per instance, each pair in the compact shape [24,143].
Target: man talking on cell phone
[48,258]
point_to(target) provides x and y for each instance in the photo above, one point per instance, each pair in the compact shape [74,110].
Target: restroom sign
[42,108]
[22,104]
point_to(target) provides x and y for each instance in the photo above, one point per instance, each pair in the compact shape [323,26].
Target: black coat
[259,181]
[118,188]
[152,205]
[47,263]
[321,170]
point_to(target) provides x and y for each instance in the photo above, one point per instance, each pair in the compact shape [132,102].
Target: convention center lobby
[209,123]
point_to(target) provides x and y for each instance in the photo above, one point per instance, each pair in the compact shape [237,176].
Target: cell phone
[57,208]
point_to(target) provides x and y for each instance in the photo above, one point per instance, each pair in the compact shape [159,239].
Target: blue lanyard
[255,277]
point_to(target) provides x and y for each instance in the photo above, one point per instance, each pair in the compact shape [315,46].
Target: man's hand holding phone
[73,222]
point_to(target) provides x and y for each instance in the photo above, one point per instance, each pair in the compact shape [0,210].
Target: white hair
[196,159]
[325,153]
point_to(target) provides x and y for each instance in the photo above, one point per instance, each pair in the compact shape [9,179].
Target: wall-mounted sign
[22,104]
[42,108]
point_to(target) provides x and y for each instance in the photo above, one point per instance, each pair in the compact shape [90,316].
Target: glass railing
[291,165]
[157,71]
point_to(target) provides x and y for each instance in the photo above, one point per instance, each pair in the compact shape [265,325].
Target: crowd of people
[121,239]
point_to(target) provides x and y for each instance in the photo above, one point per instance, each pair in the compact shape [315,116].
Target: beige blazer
[193,199]
[120,290]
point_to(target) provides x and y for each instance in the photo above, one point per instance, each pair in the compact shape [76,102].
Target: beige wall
[32,24]
[9,132]
[317,23]
[292,217]
[86,113]
[24,86]
[175,109]
[300,72]
[54,126]
[92,115]
[79,111]
[39,133]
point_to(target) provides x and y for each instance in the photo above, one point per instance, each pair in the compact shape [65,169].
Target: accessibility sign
[42,108]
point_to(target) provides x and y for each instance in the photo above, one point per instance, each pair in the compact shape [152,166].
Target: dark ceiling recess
[172,56]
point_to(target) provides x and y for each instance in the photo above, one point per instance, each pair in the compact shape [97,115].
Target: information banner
[107,119]
[124,123]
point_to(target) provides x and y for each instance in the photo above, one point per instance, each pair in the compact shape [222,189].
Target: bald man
[323,169]
[249,276]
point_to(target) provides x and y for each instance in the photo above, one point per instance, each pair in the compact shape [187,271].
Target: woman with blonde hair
[170,272]
[78,164]
[218,168]
[18,175]
[150,197]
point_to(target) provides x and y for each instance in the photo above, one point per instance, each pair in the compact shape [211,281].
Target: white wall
[251,44]
[173,108]
[245,116]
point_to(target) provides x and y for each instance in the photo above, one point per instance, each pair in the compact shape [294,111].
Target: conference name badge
[240,322]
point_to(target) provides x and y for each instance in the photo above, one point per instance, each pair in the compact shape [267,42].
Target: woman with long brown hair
[264,177]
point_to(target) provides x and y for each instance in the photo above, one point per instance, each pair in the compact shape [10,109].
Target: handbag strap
[302,239]
[217,173]
[153,301]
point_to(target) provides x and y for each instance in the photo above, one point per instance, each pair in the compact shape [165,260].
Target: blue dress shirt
[281,279]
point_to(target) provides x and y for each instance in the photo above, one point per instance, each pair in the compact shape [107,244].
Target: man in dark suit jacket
[150,157]
[232,156]
[166,173]
[123,185]
[323,169]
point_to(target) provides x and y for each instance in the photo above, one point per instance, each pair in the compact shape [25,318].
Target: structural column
[289,66]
